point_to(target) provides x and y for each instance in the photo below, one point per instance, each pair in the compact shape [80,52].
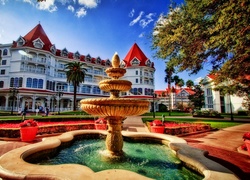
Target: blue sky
[95,27]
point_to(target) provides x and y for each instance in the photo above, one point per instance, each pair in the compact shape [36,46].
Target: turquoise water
[152,160]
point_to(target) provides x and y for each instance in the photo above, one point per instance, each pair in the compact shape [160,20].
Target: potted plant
[246,138]
[101,124]
[157,126]
[28,130]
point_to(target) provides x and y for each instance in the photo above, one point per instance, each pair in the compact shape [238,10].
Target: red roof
[135,52]
[35,33]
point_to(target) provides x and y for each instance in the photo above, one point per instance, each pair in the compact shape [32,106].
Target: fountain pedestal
[114,140]
[114,109]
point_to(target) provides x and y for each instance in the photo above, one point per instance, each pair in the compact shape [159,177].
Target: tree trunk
[74,103]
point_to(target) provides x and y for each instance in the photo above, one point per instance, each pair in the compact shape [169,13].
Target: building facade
[221,103]
[32,74]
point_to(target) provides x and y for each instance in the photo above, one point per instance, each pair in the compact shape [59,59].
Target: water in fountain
[149,159]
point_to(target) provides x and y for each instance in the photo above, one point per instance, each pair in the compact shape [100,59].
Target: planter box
[101,126]
[158,129]
[247,142]
[28,133]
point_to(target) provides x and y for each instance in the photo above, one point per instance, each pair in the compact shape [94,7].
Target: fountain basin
[13,165]
[112,84]
[121,107]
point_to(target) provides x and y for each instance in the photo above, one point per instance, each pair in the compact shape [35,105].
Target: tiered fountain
[114,109]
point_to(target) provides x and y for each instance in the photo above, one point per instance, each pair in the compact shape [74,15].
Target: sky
[95,27]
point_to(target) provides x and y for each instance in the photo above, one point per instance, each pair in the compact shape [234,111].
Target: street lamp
[59,94]
[154,96]
[14,92]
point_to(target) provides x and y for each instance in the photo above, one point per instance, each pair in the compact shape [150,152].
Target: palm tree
[168,79]
[75,75]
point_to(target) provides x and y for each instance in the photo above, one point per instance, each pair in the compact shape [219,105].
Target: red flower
[28,123]
[101,121]
[246,136]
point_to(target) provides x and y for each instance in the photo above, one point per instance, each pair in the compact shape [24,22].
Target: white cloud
[71,8]
[48,5]
[134,21]
[28,1]
[144,22]
[132,12]
[89,3]
[81,12]
[197,80]
[141,35]
[3,2]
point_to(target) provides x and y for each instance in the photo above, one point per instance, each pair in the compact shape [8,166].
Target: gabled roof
[35,33]
[135,52]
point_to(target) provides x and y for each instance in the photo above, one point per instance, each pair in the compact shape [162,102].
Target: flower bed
[12,130]
[174,128]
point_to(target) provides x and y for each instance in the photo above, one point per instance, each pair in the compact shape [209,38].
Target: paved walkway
[222,145]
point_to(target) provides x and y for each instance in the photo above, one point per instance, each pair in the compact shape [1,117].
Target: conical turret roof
[135,53]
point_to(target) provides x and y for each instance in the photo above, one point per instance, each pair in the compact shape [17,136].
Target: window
[136,80]
[135,62]
[29,82]
[96,90]
[5,52]
[1,84]
[3,71]
[34,83]
[40,84]
[86,89]
[4,62]
[136,72]
[16,82]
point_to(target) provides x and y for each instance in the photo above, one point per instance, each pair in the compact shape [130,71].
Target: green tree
[75,75]
[205,32]
[189,83]
[168,79]
[197,98]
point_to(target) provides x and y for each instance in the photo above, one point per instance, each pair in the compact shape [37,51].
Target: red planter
[28,133]
[247,142]
[158,129]
[101,126]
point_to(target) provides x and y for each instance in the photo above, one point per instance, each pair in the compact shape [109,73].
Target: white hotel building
[32,74]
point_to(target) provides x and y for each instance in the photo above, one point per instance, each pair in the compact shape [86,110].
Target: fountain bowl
[112,84]
[121,107]
[14,166]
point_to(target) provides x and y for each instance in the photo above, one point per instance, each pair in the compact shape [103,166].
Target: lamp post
[59,94]
[14,92]
[154,96]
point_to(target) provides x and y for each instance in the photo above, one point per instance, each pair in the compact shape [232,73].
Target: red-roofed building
[34,66]
[174,98]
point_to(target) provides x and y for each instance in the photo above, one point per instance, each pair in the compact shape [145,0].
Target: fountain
[114,109]
[15,164]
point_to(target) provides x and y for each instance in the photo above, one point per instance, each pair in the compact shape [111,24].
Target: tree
[168,79]
[201,33]
[189,83]
[197,98]
[75,75]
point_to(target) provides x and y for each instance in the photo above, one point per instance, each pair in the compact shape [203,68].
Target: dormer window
[148,63]
[77,55]
[135,62]
[98,60]
[122,64]
[88,58]
[108,63]
[20,41]
[53,49]
[65,52]
[38,43]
